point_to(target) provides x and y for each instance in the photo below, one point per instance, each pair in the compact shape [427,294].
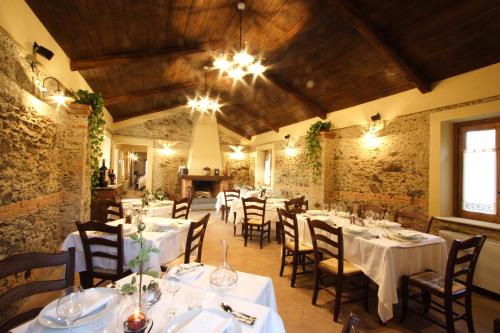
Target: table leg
[222,212]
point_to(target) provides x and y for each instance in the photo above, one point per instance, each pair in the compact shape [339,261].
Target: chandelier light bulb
[256,68]
[242,58]
[237,73]
[222,64]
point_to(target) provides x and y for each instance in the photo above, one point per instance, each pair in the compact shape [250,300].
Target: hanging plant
[313,146]
[96,124]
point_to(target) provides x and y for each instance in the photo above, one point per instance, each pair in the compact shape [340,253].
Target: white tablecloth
[271,209]
[170,244]
[243,194]
[268,321]
[384,261]
[159,209]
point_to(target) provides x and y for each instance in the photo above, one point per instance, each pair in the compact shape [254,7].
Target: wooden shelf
[206,178]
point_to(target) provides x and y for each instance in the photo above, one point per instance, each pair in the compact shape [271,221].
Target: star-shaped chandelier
[204,103]
[237,66]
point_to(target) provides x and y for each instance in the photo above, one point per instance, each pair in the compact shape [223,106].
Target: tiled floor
[294,304]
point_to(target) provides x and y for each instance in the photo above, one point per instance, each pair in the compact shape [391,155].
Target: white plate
[90,318]
[387,224]
[177,323]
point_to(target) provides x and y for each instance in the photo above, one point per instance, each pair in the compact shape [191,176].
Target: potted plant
[313,146]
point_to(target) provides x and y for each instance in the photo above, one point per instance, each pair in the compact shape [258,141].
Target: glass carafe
[223,278]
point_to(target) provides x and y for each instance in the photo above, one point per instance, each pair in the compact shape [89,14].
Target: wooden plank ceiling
[323,55]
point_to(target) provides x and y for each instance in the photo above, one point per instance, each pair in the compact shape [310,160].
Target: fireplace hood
[205,146]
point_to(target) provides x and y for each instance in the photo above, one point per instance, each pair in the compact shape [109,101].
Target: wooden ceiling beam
[359,22]
[128,57]
[148,92]
[256,117]
[223,122]
[148,111]
[312,108]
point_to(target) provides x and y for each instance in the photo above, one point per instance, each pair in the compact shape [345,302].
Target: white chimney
[205,146]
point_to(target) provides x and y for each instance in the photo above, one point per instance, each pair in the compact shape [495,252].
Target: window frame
[460,129]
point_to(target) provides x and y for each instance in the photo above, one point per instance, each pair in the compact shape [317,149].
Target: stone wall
[44,176]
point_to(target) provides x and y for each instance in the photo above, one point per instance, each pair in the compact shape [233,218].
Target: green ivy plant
[313,147]
[139,261]
[96,124]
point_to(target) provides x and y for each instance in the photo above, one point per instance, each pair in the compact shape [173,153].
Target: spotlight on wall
[237,153]
[167,149]
[43,51]
[290,149]
[133,156]
[58,97]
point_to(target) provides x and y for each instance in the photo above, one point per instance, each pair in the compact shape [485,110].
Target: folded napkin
[92,301]
[186,275]
[206,321]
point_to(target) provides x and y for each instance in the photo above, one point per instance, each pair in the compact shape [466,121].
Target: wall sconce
[237,153]
[59,96]
[133,157]
[372,140]
[290,149]
[167,150]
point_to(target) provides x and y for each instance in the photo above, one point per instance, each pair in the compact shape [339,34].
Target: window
[477,174]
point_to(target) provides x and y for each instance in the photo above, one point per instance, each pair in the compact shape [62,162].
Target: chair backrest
[289,227]
[25,262]
[462,261]
[254,208]
[351,325]
[231,195]
[411,218]
[181,208]
[196,234]
[107,210]
[362,209]
[113,244]
[297,205]
[324,243]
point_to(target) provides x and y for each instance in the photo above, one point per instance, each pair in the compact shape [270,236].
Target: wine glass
[172,286]
[160,194]
[70,305]
[152,198]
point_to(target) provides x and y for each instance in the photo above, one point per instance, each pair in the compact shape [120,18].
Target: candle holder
[135,320]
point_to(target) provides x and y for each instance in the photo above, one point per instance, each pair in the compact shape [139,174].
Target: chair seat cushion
[290,245]
[435,281]
[254,221]
[331,265]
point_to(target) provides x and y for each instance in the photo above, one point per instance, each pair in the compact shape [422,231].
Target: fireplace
[203,186]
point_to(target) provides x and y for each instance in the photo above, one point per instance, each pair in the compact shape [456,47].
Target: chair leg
[317,277]
[367,294]
[245,233]
[338,299]
[448,310]
[404,295]
[283,257]
[295,264]
[468,312]
[261,236]
[426,300]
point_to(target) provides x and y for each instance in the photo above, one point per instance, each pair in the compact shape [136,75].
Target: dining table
[166,234]
[384,259]
[252,295]
[159,208]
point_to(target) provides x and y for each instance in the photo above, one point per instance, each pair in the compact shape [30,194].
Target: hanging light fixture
[204,104]
[58,97]
[237,66]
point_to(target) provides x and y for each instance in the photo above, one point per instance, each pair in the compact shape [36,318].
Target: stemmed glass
[172,286]
[152,198]
[160,194]
[70,305]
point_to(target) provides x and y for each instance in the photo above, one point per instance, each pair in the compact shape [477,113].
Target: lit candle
[137,321]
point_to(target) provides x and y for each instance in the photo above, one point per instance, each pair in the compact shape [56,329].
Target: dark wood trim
[129,57]
[148,92]
[207,178]
[312,108]
[148,111]
[459,144]
[252,114]
[224,123]
[360,23]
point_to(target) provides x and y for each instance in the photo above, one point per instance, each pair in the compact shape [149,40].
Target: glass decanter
[223,278]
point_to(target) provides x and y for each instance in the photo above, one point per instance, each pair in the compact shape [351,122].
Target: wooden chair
[25,262]
[254,210]
[114,251]
[196,235]
[181,208]
[412,218]
[296,206]
[362,209]
[107,210]
[336,266]
[229,196]
[351,325]
[462,261]
[291,246]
